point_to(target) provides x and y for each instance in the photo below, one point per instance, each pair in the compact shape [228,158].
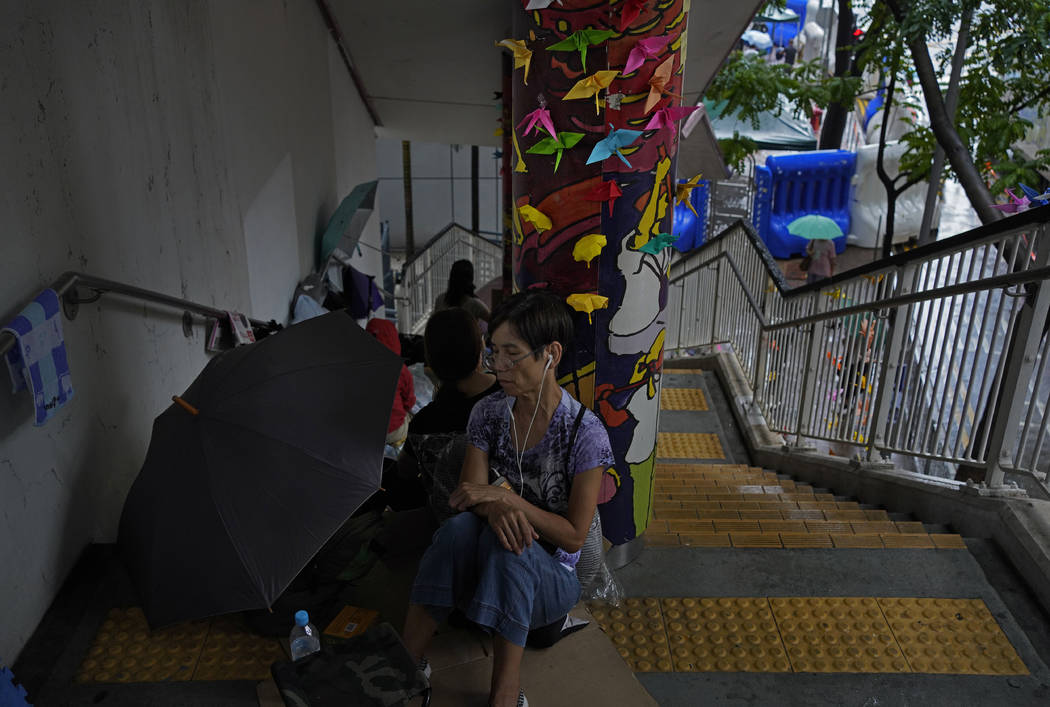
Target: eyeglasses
[502,362]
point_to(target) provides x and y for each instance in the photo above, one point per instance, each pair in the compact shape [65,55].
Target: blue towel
[38,359]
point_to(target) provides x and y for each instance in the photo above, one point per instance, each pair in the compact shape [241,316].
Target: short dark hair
[540,318]
[452,341]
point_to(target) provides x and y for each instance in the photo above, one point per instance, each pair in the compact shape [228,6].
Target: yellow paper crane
[522,54]
[590,86]
[586,302]
[682,192]
[536,217]
[588,247]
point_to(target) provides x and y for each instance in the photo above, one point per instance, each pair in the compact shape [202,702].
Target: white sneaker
[522,700]
[424,666]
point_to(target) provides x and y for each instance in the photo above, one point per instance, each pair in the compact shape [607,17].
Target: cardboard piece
[583,668]
[351,621]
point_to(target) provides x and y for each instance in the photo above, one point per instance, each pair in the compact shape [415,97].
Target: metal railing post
[885,398]
[816,340]
[761,356]
[1018,373]
[714,301]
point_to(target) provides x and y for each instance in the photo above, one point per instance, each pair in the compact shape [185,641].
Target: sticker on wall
[522,54]
[612,143]
[586,302]
[590,86]
[588,247]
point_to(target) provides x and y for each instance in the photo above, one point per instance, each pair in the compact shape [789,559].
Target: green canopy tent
[775,132]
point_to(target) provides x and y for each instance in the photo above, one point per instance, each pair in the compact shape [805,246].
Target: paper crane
[540,4]
[522,54]
[658,242]
[684,191]
[588,247]
[629,11]
[541,117]
[644,49]
[555,146]
[590,86]
[1014,205]
[605,191]
[579,40]
[1044,197]
[612,143]
[1034,196]
[667,117]
[586,302]
[520,166]
[659,83]
[536,217]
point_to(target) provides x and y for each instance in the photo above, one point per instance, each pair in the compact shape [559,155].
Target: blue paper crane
[612,143]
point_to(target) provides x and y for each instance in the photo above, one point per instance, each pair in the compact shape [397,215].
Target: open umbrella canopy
[277,444]
[815,228]
[759,40]
[344,228]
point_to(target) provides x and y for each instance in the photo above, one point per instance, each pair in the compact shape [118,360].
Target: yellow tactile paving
[705,539]
[808,634]
[904,540]
[837,635]
[948,541]
[723,634]
[683,399]
[861,540]
[126,651]
[689,445]
[957,636]
[802,540]
[755,539]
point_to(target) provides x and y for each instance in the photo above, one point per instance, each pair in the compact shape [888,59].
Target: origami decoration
[588,247]
[579,40]
[555,146]
[1034,196]
[520,167]
[536,217]
[629,11]
[1015,204]
[658,242]
[585,88]
[667,117]
[645,49]
[683,192]
[1045,196]
[541,117]
[612,143]
[522,54]
[586,302]
[605,191]
[540,4]
[658,84]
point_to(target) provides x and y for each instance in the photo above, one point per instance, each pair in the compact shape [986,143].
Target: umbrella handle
[186,406]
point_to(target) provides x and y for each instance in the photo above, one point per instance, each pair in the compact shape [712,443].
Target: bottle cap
[301,618]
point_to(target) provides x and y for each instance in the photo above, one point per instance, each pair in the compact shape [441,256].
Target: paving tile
[800,540]
[125,650]
[661,540]
[844,515]
[828,526]
[736,526]
[723,634]
[690,526]
[705,539]
[790,526]
[683,399]
[802,514]
[948,541]
[906,540]
[876,514]
[689,445]
[864,540]
[875,526]
[755,540]
[910,527]
[637,631]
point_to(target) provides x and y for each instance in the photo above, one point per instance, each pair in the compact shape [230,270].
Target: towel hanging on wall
[38,359]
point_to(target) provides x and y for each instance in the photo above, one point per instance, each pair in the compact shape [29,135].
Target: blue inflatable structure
[691,228]
[791,186]
[784,32]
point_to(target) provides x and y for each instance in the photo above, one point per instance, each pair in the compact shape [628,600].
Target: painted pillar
[614,365]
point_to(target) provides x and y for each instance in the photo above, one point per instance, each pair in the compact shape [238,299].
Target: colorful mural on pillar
[595,105]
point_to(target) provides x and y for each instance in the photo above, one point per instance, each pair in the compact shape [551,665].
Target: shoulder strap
[572,437]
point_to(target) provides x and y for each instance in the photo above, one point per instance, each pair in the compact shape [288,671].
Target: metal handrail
[934,307]
[67,284]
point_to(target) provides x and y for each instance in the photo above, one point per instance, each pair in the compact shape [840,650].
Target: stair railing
[939,353]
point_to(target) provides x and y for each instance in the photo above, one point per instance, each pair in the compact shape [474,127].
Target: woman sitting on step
[528,496]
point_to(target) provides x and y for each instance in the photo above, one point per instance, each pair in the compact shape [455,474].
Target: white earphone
[519,458]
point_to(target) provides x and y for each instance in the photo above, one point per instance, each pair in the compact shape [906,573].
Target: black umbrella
[272,448]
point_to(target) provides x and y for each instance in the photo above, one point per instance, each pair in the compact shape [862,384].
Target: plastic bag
[603,587]
[422,386]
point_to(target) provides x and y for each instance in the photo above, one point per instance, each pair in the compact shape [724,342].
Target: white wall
[193,148]
[441,190]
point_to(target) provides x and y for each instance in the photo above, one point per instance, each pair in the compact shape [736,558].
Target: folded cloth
[38,359]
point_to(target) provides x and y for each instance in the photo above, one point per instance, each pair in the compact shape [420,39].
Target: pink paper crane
[667,117]
[644,49]
[537,118]
[1014,205]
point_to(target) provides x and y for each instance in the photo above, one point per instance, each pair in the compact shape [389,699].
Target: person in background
[527,499]
[821,260]
[405,396]
[460,292]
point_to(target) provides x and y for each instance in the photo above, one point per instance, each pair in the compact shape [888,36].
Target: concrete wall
[193,148]
[441,190]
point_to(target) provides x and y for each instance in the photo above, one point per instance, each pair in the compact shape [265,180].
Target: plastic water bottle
[304,638]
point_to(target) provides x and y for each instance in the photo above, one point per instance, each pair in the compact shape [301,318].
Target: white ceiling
[430,68]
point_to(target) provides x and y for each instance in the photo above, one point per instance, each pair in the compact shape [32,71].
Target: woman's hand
[469,494]
[511,526]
